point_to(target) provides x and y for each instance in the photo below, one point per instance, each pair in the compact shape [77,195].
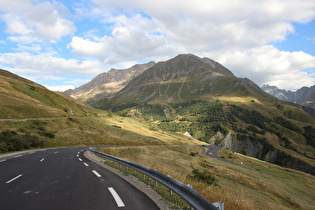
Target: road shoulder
[154,196]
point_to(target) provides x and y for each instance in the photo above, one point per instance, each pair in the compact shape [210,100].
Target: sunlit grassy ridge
[22,98]
[90,131]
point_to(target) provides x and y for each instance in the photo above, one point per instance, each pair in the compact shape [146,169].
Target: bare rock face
[106,84]
[304,96]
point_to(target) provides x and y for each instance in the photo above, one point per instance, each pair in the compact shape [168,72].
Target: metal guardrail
[194,199]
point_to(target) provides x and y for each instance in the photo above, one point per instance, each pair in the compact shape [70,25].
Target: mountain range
[184,94]
[106,84]
[200,96]
[304,96]
[183,78]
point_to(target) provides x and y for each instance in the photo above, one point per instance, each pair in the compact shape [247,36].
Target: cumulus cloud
[205,25]
[268,65]
[131,39]
[30,21]
[238,34]
[43,64]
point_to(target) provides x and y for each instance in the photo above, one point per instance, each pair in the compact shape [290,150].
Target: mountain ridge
[184,77]
[201,97]
[106,84]
[302,95]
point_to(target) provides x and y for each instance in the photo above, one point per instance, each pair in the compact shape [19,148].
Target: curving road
[64,179]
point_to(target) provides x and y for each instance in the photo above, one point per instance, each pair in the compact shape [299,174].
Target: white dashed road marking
[97,174]
[118,200]
[11,180]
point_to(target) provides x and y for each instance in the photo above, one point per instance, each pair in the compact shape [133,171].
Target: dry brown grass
[237,187]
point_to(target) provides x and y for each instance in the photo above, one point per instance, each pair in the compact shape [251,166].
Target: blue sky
[65,43]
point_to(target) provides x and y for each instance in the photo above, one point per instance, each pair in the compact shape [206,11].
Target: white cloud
[203,25]
[131,39]
[43,64]
[78,81]
[268,65]
[60,88]
[236,33]
[239,34]
[30,21]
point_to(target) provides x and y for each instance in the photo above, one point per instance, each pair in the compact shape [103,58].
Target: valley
[147,116]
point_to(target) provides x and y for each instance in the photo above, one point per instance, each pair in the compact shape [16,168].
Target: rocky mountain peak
[107,83]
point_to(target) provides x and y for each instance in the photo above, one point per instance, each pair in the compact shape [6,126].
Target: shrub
[12,141]
[203,176]
[46,134]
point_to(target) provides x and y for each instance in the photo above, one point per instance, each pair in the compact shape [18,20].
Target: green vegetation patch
[13,141]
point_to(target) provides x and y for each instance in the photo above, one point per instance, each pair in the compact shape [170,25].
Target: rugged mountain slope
[200,96]
[22,98]
[106,84]
[181,79]
[304,96]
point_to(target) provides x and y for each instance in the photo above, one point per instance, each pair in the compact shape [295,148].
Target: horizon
[64,44]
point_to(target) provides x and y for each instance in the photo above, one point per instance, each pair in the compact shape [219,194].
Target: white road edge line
[42,159]
[18,156]
[3,160]
[85,164]
[11,180]
[97,174]
[118,200]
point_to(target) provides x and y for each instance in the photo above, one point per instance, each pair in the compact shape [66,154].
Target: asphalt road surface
[64,179]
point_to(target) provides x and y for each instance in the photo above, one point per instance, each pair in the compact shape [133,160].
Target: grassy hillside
[168,152]
[21,98]
[273,131]
[17,135]
[157,129]
[254,184]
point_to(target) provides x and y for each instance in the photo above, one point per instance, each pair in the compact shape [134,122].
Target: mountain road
[64,178]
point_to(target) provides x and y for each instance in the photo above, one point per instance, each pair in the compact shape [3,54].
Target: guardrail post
[143,176]
[127,168]
[171,191]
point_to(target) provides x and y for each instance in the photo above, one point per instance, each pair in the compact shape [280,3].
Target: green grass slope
[22,98]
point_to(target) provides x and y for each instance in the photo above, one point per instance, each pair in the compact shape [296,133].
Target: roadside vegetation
[266,186]
[237,187]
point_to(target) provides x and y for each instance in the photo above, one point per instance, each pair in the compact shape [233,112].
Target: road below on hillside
[64,179]
[212,151]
